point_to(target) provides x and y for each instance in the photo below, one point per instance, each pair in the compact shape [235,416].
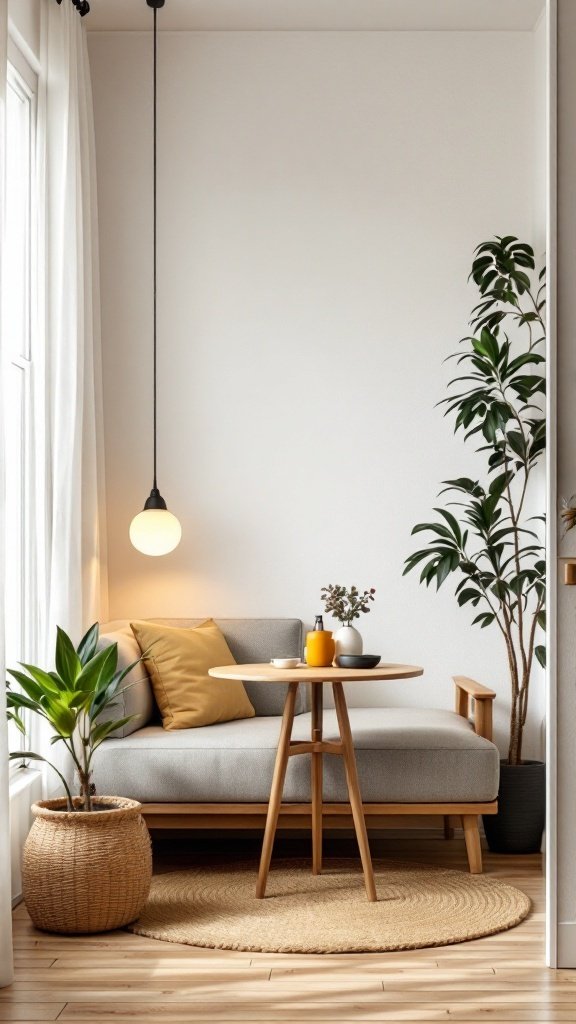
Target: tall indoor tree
[489,539]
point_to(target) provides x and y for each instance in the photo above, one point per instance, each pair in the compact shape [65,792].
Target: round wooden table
[317,747]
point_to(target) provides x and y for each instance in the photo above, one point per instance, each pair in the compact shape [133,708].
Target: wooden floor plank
[350,996]
[30,1011]
[32,963]
[158,975]
[261,997]
[395,1014]
[304,1011]
[296,975]
[135,961]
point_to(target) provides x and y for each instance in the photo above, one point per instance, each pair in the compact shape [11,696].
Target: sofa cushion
[250,641]
[178,661]
[136,696]
[404,755]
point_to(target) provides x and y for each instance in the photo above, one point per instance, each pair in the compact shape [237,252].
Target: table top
[266,673]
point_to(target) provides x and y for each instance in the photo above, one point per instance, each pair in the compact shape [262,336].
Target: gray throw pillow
[136,697]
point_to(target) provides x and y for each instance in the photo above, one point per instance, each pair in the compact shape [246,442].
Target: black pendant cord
[155,499]
[82,6]
[154,244]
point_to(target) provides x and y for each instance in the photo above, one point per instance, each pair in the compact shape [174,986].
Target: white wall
[25,17]
[320,197]
[540,158]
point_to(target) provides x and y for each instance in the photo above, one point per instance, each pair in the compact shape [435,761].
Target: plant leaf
[540,652]
[88,644]
[68,664]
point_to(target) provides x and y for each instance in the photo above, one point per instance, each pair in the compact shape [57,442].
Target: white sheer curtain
[69,488]
[69,445]
[6,973]
[68,575]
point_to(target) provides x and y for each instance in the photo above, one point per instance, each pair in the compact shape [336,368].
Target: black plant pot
[519,824]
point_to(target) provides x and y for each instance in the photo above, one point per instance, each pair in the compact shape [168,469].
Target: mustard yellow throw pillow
[178,661]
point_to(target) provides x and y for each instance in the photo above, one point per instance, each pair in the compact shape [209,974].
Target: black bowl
[357,660]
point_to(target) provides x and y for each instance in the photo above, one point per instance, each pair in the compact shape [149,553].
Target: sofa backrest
[250,640]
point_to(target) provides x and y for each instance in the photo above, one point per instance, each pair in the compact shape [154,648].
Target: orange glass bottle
[320,647]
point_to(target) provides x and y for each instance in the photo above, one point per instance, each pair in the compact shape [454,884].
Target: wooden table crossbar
[314,747]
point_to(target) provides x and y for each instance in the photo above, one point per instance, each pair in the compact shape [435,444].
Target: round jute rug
[417,906]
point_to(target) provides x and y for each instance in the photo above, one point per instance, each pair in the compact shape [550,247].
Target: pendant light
[155,531]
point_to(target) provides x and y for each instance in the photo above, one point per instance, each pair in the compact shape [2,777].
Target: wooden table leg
[282,756]
[354,789]
[317,714]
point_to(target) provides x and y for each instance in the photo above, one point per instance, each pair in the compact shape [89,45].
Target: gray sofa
[410,760]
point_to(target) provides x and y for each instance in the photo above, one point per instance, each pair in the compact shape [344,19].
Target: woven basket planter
[86,872]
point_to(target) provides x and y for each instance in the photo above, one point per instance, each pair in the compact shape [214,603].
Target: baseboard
[566,933]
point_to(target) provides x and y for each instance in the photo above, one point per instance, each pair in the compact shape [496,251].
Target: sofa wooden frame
[244,816]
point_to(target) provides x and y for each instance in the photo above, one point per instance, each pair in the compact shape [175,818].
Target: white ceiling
[311,15]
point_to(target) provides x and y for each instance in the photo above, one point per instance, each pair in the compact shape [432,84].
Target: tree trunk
[515,748]
[85,790]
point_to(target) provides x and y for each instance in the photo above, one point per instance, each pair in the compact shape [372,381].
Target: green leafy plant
[346,605]
[72,700]
[489,540]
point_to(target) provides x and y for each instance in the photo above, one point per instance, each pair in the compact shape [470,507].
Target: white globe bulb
[155,531]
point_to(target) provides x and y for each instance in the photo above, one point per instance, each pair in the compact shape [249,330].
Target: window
[18,358]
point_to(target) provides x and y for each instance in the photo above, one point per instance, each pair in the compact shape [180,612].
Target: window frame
[23,80]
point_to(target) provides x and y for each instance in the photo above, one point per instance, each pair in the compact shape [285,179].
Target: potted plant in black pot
[87,862]
[489,539]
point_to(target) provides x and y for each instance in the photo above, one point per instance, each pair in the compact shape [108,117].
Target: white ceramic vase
[348,640]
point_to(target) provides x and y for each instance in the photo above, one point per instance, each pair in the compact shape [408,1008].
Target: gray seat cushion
[404,755]
[249,640]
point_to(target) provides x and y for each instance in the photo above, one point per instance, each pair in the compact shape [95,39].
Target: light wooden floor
[119,976]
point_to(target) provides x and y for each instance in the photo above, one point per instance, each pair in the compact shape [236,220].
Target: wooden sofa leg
[472,839]
[448,830]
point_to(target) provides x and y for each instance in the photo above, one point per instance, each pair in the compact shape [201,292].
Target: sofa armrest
[483,697]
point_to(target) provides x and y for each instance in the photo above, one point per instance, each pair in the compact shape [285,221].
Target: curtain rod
[82,6]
